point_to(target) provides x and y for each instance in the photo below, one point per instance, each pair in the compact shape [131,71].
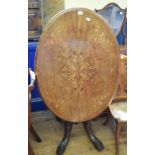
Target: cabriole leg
[67,132]
[97,143]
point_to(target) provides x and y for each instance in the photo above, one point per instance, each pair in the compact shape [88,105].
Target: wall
[93,4]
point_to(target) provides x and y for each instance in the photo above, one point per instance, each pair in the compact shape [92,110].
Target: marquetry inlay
[77,65]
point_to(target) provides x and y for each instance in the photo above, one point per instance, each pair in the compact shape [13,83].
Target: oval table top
[77,65]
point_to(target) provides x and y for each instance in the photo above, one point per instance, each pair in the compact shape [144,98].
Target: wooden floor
[51,132]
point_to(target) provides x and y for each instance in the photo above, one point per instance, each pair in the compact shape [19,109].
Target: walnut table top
[77,65]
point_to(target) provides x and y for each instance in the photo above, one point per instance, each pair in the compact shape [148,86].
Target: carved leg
[117,135]
[67,132]
[97,143]
[35,135]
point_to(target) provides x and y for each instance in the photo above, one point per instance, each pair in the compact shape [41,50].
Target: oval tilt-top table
[76,68]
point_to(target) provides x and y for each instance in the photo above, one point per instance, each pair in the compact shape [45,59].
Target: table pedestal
[67,133]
